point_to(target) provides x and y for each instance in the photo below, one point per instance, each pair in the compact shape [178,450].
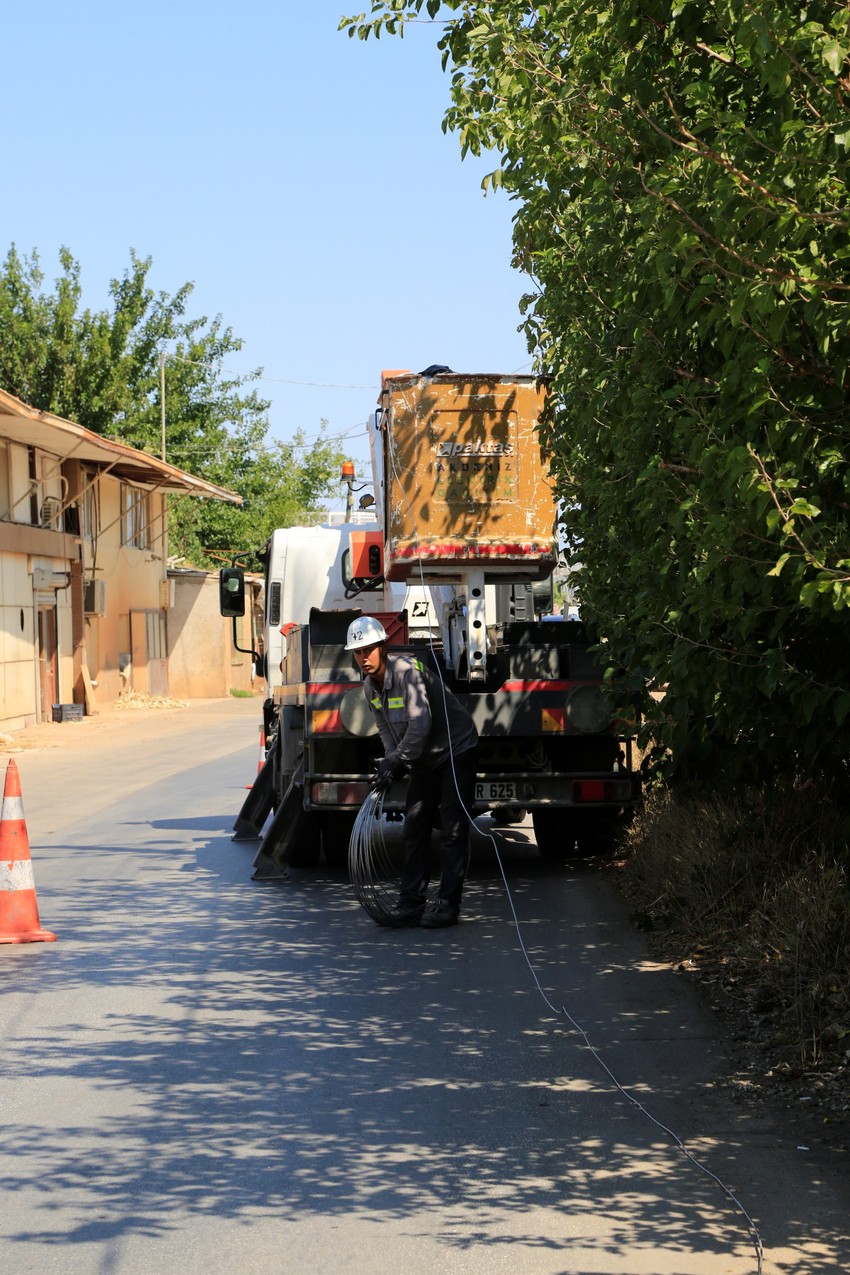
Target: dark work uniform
[425,729]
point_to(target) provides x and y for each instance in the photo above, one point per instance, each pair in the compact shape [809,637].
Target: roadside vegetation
[680,177]
[749,891]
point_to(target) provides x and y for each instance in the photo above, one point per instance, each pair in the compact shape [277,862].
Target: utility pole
[164,582]
[162,397]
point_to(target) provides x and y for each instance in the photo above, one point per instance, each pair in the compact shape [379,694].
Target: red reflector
[326,721]
[350,794]
[589,790]
[602,790]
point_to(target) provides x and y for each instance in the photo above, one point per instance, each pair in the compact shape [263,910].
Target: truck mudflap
[258,803]
[288,828]
[270,860]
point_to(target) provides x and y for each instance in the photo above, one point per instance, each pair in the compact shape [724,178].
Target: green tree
[680,169]
[281,484]
[103,370]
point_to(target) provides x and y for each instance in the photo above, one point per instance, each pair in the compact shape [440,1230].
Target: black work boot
[405,911]
[438,914]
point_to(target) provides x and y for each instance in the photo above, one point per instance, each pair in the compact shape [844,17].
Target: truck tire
[504,815]
[564,834]
[555,834]
[596,831]
[336,834]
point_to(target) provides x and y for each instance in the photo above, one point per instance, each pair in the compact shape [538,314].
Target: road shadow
[288,1058]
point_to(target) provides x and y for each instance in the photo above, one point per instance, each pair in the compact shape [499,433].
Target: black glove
[386,774]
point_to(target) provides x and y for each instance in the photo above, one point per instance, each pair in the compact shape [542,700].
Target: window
[135,517]
[90,521]
[4,481]
[20,491]
[33,477]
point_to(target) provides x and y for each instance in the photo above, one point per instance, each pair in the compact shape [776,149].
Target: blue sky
[300,179]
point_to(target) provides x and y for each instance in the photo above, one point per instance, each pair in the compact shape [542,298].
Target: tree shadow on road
[287,1058]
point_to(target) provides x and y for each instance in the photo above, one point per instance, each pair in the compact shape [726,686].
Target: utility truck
[458,566]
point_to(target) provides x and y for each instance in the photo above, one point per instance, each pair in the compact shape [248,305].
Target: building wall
[35,571]
[65,529]
[133,579]
[202,661]
[39,560]
[17,673]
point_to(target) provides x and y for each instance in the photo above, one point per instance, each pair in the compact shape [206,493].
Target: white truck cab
[309,567]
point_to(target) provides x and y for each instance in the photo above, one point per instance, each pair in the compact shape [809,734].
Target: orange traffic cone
[19,921]
[262,758]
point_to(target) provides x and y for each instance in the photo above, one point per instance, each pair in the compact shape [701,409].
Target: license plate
[495,791]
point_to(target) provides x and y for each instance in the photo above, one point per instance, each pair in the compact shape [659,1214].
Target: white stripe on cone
[12,808]
[17,876]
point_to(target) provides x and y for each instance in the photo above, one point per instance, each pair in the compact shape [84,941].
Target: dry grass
[753,886]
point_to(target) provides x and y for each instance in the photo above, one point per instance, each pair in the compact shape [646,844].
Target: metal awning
[68,441]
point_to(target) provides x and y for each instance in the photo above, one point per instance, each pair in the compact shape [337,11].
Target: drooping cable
[579,1030]
[562,1011]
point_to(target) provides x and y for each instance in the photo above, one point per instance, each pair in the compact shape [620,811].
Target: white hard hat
[365,631]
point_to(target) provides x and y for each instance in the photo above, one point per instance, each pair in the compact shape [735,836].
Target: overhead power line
[278,380]
[289,380]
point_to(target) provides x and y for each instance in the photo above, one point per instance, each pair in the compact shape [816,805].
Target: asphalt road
[205,1073]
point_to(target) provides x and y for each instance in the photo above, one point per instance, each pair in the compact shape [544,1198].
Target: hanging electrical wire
[373,878]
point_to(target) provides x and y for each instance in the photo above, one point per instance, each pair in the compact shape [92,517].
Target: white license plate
[495,791]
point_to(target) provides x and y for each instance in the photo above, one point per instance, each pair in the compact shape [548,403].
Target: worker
[424,730]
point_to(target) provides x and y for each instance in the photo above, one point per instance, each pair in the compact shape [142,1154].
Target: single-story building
[84,587]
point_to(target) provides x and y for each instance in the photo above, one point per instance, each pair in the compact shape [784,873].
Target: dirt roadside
[121,723]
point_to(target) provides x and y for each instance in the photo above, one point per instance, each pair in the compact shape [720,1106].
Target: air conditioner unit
[94,601]
[51,507]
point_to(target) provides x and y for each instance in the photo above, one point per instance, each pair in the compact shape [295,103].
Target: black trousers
[448,791]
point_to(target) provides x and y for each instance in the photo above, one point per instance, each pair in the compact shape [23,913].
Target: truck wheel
[306,848]
[596,831]
[564,834]
[504,815]
[336,834]
[555,833]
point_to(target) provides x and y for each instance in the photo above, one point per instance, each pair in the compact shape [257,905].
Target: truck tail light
[339,794]
[608,790]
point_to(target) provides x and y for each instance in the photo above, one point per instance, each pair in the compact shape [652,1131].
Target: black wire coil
[372,873]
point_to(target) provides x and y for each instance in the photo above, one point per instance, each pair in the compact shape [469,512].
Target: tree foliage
[103,370]
[680,169]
